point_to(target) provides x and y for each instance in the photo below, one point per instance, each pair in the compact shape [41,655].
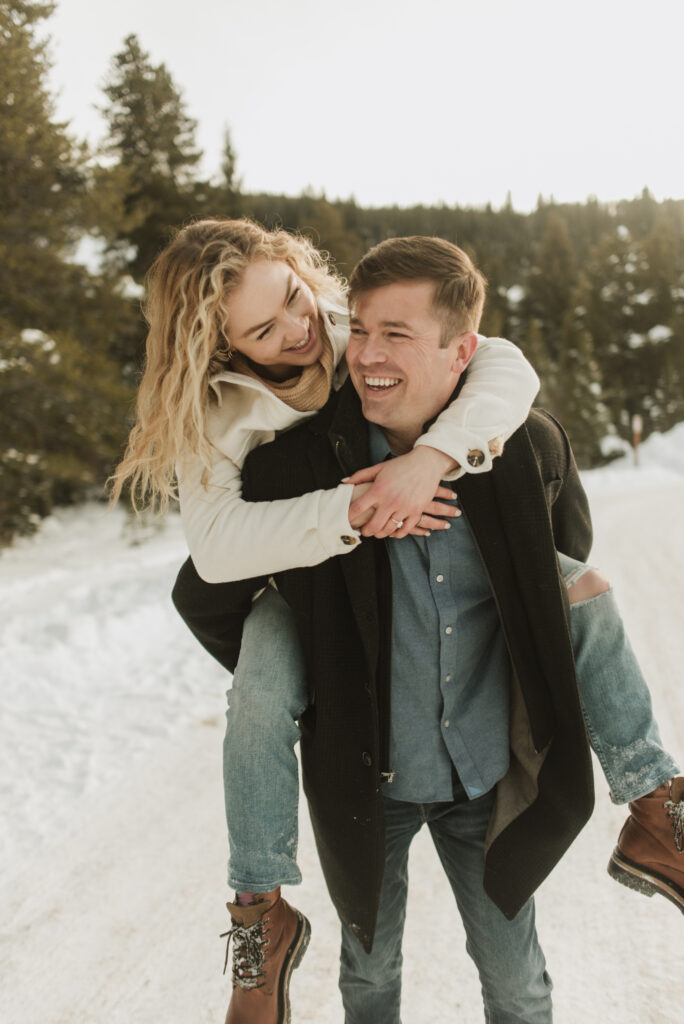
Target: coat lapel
[506,511]
[348,438]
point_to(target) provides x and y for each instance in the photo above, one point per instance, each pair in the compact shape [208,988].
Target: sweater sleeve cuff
[469,449]
[335,534]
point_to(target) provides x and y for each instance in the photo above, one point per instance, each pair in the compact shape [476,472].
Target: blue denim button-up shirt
[450,667]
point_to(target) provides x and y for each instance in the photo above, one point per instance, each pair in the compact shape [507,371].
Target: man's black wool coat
[530,505]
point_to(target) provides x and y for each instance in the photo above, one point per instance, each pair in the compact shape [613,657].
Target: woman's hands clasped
[402,496]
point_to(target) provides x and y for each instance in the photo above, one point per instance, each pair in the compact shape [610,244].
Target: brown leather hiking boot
[269,940]
[649,856]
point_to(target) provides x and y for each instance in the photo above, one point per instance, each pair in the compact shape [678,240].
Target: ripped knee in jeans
[586,586]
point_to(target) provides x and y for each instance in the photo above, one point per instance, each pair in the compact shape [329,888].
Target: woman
[247,336]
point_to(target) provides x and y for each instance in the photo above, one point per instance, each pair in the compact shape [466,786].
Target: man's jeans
[515,985]
[269,694]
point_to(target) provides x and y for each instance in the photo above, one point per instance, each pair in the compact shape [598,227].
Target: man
[467,632]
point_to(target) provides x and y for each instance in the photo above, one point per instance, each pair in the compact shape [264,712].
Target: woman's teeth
[302,343]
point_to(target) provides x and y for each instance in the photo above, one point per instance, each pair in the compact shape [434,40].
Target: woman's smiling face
[273,319]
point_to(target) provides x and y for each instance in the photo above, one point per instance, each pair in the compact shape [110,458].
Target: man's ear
[463,351]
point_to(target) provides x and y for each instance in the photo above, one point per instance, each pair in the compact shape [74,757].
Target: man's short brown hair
[460,288]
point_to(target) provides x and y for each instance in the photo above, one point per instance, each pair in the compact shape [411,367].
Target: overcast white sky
[408,101]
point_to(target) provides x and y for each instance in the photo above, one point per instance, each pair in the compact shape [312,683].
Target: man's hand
[404,490]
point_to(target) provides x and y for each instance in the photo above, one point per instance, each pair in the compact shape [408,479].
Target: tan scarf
[304,391]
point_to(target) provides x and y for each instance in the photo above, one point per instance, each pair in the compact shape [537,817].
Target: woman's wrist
[442,462]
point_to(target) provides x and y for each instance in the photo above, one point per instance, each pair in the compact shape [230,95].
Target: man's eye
[294,295]
[357,332]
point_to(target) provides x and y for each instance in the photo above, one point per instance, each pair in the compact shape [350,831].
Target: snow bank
[660,461]
[98,666]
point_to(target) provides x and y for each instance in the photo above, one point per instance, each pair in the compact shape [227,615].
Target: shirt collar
[378,447]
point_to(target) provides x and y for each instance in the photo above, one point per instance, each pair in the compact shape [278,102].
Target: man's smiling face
[397,365]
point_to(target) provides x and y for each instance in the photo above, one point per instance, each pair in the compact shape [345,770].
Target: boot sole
[648,883]
[293,959]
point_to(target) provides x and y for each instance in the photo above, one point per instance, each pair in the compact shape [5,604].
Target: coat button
[475,457]
[348,540]
[367,759]
[331,318]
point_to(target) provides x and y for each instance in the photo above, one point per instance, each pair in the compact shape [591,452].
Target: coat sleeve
[570,514]
[494,401]
[229,538]
[215,612]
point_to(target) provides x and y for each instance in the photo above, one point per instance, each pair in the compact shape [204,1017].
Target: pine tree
[551,283]
[639,215]
[62,402]
[628,303]
[148,128]
[321,221]
[41,180]
[229,163]
[222,198]
[578,395]
[63,409]
[152,140]
[534,347]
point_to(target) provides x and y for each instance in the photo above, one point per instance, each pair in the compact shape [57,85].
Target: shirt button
[439,578]
[348,540]
[448,631]
[447,679]
[367,759]
[446,724]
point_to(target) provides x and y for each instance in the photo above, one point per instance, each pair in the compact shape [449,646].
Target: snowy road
[112,839]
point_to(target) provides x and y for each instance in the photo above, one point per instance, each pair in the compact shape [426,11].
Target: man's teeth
[381,382]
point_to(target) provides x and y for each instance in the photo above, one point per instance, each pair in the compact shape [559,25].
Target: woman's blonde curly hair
[188,343]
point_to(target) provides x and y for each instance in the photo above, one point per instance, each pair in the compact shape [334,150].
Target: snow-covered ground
[112,842]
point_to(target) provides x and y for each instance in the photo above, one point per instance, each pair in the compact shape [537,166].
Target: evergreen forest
[593,293]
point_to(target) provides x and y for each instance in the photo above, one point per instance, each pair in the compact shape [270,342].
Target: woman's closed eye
[292,299]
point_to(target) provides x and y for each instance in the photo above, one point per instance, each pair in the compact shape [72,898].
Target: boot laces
[249,954]
[676,812]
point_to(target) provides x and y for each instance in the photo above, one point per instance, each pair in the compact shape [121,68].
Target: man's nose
[374,349]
